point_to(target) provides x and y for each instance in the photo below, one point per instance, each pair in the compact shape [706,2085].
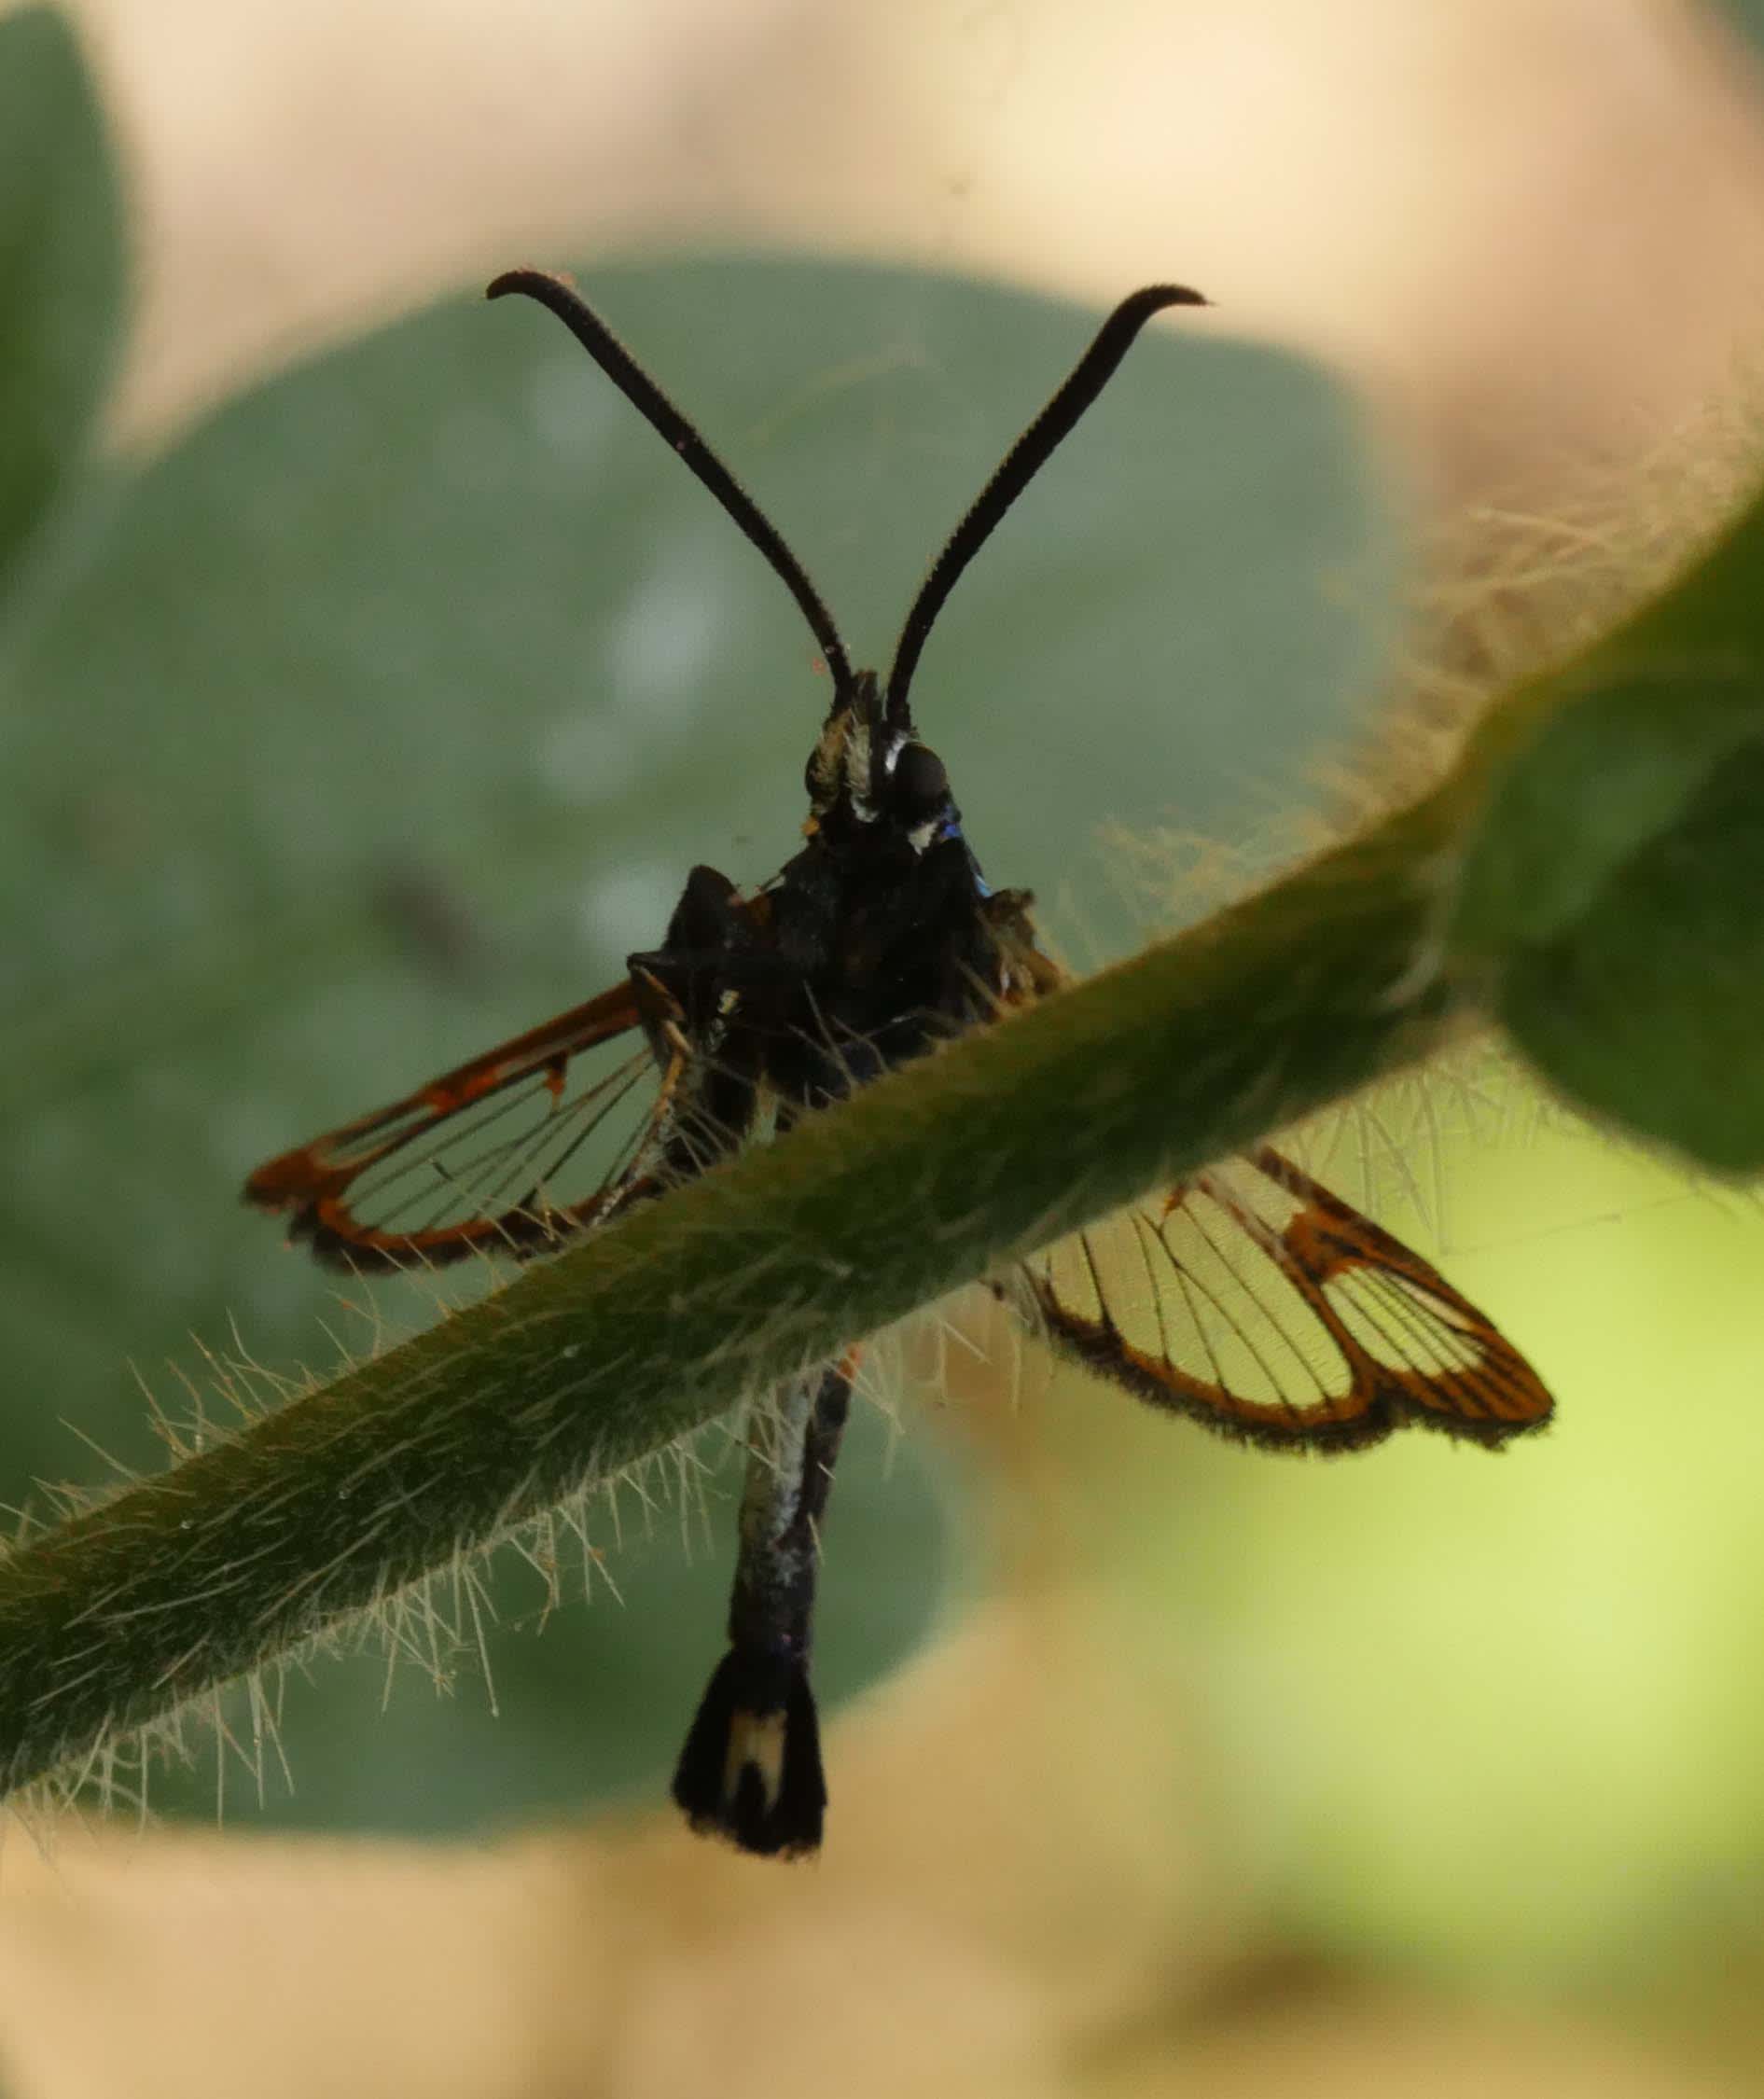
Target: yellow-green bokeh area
[1486,1715]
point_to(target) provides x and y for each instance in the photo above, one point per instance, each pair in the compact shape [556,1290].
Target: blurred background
[370,703]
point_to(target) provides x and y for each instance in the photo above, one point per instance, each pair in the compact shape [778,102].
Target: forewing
[507,1154]
[1265,1307]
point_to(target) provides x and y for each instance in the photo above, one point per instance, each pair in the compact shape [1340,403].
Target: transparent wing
[508,1154]
[1263,1306]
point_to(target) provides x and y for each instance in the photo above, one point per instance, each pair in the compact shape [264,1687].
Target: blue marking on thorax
[951,827]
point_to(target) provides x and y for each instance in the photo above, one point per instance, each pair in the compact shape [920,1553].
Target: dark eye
[919,782]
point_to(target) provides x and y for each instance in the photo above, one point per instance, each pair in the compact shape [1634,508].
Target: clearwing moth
[1249,1298]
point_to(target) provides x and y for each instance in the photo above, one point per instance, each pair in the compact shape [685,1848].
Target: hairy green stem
[1013,1135]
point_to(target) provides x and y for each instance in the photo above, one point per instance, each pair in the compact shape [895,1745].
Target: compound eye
[920,782]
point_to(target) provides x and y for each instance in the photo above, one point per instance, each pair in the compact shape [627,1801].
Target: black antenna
[1020,465]
[651,403]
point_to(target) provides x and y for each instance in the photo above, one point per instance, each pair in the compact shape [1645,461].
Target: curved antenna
[1020,465]
[662,415]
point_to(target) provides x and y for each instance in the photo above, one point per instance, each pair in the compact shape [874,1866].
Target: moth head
[868,769]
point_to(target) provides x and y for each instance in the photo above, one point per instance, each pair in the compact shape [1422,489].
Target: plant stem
[1015,1135]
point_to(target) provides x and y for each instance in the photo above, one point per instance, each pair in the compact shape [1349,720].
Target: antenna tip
[536,283]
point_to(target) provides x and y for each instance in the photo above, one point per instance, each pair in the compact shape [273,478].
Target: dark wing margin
[483,1159]
[1261,1305]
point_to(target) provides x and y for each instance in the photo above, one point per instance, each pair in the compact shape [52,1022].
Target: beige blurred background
[1532,230]
[1526,222]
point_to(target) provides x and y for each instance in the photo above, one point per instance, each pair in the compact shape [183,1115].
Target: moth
[1249,1298]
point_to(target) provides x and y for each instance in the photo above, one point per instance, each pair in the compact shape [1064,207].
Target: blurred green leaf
[397,699]
[61,263]
[1613,860]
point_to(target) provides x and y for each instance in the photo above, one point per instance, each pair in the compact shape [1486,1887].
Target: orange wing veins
[1263,1306]
[433,1177]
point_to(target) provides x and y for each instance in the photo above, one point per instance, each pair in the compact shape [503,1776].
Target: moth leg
[751,1768]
